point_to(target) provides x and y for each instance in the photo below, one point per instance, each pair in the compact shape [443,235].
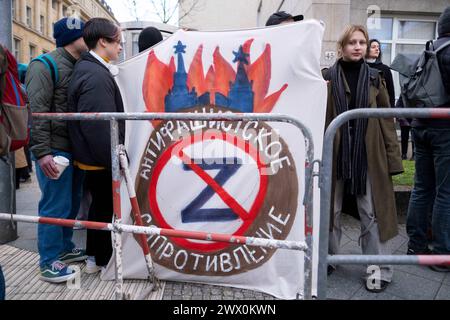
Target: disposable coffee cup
[61,163]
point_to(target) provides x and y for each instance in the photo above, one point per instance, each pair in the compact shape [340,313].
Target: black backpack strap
[374,75]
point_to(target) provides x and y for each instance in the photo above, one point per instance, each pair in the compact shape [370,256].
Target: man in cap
[281,17]
[46,80]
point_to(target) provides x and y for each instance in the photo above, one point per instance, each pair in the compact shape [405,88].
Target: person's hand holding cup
[61,164]
[53,166]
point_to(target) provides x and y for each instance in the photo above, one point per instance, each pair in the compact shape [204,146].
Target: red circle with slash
[247,217]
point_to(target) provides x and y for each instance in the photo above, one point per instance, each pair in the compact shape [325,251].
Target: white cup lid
[61,160]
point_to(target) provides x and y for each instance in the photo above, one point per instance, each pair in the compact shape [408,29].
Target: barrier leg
[117,235]
[138,220]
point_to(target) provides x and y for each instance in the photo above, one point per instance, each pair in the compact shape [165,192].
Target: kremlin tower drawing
[240,95]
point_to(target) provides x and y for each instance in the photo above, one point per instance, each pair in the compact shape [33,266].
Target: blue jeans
[60,199]
[431,192]
[2,285]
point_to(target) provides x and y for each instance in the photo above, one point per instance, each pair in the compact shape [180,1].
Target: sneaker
[75,255]
[412,251]
[383,285]
[57,272]
[91,266]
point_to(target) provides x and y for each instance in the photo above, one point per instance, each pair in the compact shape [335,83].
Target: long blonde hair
[346,35]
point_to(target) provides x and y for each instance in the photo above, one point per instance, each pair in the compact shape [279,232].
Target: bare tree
[165,10]
[132,8]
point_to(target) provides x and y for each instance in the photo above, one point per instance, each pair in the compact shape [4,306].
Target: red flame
[158,79]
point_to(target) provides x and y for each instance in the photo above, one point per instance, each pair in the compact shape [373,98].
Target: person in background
[3,69]
[366,152]
[20,161]
[148,38]
[405,128]
[60,196]
[22,68]
[374,60]
[282,17]
[93,89]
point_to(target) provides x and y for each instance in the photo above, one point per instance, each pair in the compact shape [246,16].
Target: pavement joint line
[438,290]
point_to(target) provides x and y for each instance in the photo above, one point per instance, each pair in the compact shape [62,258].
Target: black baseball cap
[280,16]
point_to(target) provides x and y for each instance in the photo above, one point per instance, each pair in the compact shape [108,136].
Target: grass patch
[407,177]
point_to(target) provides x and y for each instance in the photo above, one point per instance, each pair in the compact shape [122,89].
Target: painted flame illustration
[158,79]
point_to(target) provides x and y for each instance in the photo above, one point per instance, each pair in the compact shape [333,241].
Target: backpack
[420,78]
[15,114]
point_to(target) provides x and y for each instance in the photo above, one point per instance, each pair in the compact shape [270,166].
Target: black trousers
[405,139]
[98,243]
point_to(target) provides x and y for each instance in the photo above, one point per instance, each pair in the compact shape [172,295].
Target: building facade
[402,26]
[33,22]
[130,35]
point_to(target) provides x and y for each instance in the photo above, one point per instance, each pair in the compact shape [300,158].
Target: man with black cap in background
[281,17]
[432,179]
[46,83]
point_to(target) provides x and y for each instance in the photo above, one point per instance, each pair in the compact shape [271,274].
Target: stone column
[23,11]
[37,15]
[60,10]
[49,19]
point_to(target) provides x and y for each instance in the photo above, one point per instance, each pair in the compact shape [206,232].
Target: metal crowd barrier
[326,196]
[116,227]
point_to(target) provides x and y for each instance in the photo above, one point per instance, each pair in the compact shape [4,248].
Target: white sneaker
[91,267]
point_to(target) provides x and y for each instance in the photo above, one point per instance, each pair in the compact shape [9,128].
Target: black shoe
[383,285]
[440,268]
[404,157]
[330,270]
[412,251]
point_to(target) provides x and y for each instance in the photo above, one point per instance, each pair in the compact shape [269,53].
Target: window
[16,49]
[64,11]
[32,51]
[54,4]
[42,20]
[402,35]
[134,43]
[13,9]
[29,17]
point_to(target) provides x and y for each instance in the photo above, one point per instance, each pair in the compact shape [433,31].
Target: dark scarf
[352,157]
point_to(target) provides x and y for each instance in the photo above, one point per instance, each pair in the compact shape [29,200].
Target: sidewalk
[409,282]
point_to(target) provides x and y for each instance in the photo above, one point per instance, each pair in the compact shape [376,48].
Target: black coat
[387,74]
[93,89]
[444,61]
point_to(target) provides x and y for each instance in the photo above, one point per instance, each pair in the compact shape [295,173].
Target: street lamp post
[8,230]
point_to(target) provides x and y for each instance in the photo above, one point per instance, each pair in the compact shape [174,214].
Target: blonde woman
[366,152]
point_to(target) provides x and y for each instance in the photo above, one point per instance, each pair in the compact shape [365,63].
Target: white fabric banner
[241,178]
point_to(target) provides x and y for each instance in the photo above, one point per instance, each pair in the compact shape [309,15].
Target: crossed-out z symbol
[193,213]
